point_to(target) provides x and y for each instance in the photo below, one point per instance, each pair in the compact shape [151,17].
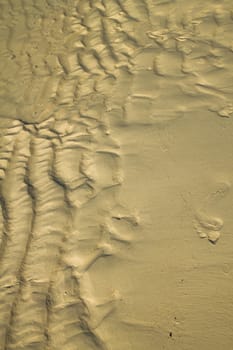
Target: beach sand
[116,171]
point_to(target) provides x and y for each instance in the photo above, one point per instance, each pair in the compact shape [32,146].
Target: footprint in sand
[210,226]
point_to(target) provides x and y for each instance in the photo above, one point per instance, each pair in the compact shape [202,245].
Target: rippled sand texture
[116,174]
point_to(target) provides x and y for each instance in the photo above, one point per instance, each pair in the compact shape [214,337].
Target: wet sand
[116,138]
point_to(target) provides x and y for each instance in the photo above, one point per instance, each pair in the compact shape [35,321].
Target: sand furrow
[44,238]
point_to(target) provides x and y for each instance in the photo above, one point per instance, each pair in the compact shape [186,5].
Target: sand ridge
[57,156]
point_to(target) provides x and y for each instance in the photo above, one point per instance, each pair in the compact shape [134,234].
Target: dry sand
[116,168]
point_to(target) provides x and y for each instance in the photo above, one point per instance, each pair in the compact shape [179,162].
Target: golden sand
[116,169]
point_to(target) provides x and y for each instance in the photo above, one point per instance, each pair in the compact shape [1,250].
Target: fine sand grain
[116,171]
